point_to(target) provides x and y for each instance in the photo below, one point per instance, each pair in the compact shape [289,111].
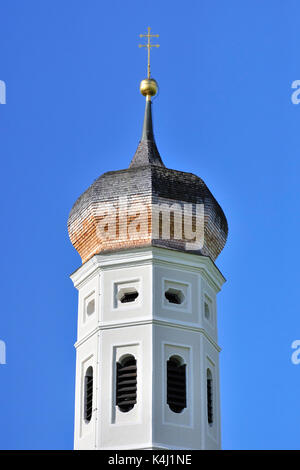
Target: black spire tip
[147,153]
[147,133]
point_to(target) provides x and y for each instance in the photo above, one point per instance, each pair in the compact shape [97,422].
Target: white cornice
[181,326]
[85,272]
[151,254]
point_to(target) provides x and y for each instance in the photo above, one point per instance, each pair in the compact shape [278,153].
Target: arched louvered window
[176,384]
[210,410]
[88,394]
[126,383]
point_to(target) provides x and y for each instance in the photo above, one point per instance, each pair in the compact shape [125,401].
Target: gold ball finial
[148,87]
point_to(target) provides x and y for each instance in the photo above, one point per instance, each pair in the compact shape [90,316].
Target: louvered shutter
[209,399]
[176,386]
[126,384]
[88,394]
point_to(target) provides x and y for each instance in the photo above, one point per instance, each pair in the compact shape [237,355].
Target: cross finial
[149,45]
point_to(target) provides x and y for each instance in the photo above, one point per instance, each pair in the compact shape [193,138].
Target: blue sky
[224,111]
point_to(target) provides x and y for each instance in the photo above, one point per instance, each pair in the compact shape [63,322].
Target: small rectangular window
[89,306]
[208,310]
[127,293]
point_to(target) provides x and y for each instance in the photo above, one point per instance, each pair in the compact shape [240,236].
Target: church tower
[147,354]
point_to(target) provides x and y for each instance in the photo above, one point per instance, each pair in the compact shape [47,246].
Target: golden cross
[149,45]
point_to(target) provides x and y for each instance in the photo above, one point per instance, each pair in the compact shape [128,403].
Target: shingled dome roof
[147,204]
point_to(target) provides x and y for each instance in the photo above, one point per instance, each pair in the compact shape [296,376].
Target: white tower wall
[151,329]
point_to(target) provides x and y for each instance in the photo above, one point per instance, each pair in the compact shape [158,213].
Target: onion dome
[147,204]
